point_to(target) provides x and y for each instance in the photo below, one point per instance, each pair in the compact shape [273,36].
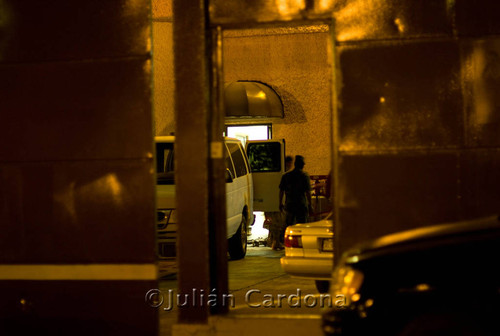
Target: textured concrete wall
[294,62]
[417,116]
[163,67]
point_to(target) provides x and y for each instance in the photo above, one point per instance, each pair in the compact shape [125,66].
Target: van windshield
[165,163]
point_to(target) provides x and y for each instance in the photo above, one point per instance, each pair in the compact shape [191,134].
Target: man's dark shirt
[295,184]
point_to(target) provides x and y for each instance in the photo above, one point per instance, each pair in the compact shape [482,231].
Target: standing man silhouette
[295,186]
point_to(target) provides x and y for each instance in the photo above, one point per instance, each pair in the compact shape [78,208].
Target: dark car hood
[447,257]
[421,239]
[435,280]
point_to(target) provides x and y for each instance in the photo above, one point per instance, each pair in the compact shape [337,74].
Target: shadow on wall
[292,108]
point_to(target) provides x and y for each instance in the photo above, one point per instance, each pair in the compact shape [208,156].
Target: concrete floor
[265,300]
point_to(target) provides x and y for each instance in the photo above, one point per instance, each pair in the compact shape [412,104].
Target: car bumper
[315,268]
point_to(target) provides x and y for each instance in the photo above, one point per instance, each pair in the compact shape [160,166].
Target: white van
[239,197]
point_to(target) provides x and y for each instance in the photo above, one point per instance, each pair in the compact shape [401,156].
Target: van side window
[165,163]
[229,163]
[238,159]
[164,157]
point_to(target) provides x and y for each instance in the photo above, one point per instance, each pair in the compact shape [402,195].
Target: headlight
[346,282]
[160,216]
[164,217]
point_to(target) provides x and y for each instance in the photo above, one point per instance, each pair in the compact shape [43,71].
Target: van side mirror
[229,176]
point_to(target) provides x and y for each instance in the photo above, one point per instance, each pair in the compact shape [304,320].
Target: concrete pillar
[192,98]
[76,168]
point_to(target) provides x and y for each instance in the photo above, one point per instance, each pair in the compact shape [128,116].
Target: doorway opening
[249,132]
[257,234]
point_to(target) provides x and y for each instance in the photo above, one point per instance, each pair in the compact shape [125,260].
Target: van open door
[267,162]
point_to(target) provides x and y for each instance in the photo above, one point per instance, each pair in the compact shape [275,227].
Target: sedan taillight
[293,241]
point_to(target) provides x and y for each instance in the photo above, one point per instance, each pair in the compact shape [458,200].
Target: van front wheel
[237,244]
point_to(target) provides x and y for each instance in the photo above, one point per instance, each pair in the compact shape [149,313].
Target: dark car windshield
[165,163]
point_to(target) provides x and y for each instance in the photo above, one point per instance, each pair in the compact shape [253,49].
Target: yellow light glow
[114,185]
[325,4]
[382,100]
[289,7]
[355,297]
[352,34]
[423,287]
[358,18]
[78,272]
[260,95]
[348,277]
[347,12]
[108,186]
[400,25]
[405,235]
